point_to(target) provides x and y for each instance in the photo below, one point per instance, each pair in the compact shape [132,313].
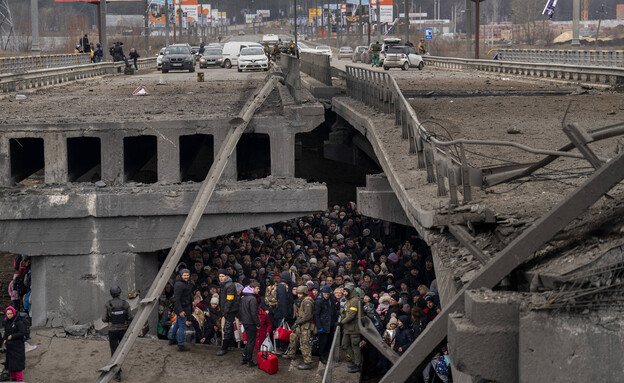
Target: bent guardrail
[53,76]
[20,64]
[595,74]
[609,58]
[445,160]
[333,358]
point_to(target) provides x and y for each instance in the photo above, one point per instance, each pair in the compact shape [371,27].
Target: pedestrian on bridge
[117,314]
[134,56]
[376,48]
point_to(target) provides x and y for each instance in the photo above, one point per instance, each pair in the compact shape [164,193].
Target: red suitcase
[268,362]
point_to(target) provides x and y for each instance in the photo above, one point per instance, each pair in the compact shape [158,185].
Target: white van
[231,51]
[271,39]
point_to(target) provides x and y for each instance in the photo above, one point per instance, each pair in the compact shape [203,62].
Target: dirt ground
[61,360]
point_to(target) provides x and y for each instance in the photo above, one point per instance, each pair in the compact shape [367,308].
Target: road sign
[428,33]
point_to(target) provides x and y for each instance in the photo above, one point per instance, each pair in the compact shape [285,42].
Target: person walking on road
[229,302]
[303,329]
[421,48]
[249,317]
[182,307]
[117,314]
[376,48]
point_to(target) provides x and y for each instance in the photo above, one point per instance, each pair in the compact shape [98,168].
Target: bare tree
[527,13]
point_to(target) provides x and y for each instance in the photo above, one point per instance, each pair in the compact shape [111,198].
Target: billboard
[386,10]
[264,12]
[91,1]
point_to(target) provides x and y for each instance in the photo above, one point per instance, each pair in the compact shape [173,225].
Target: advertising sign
[264,12]
[386,11]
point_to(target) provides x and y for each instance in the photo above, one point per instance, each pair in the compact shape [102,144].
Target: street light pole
[468,21]
[576,16]
[34,19]
[147,31]
[407,21]
[295,24]
[179,21]
[103,39]
[167,14]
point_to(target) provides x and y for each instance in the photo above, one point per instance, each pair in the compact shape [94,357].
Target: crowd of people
[306,276]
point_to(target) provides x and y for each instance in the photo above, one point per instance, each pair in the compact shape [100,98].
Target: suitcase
[268,362]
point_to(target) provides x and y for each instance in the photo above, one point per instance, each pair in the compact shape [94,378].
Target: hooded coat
[248,313]
[285,299]
[16,351]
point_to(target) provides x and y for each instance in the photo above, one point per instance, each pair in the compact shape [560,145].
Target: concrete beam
[5,162]
[378,200]
[144,219]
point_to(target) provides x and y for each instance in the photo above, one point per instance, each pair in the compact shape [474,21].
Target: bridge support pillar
[282,151]
[71,289]
[55,157]
[230,172]
[112,159]
[169,159]
[5,162]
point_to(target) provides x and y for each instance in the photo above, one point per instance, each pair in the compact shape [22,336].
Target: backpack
[442,367]
[19,285]
[270,296]
[17,261]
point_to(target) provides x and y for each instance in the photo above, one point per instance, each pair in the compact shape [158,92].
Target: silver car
[212,57]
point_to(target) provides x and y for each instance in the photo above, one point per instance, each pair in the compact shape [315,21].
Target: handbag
[283,332]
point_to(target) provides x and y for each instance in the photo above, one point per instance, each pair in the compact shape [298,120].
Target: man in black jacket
[183,308]
[117,314]
[249,317]
[228,299]
[325,317]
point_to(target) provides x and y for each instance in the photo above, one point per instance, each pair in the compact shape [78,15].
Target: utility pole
[103,39]
[361,21]
[179,21]
[34,19]
[602,12]
[147,29]
[378,12]
[468,21]
[576,15]
[167,15]
[407,21]
[295,24]
[477,28]
[338,19]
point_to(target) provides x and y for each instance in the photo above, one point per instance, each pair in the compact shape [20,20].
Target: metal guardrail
[317,65]
[610,58]
[53,76]
[333,358]
[444,161]
[580,73]
[21,64]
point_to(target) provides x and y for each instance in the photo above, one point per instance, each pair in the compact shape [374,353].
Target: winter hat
[9,308]
[214,300]
[393,257]
[385,299]
[366,232]
[393,319]
[326,289]
[313,261]
[405,320]
[223,271]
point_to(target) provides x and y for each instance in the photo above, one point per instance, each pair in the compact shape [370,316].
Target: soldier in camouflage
[351,338]
[303,329]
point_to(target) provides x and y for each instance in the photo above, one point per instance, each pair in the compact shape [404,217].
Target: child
[14,334]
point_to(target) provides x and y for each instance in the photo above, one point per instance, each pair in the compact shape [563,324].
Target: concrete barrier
[608,58]
[317,65]
[290,67]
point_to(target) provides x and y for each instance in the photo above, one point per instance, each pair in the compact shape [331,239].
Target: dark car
[178,57]
[212,57]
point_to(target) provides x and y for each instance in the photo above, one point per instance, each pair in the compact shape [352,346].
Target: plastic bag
[267,345]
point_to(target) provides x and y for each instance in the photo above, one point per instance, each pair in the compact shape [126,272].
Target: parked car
[271,39]
[304,48]
[324,49]
[345,52]
[387,43]
[178,57]
[159,58]
[212,57]
[403,57]
[231,51]
[252,58]
[357,53]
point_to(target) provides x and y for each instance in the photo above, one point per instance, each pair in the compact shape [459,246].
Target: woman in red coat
[265,326]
